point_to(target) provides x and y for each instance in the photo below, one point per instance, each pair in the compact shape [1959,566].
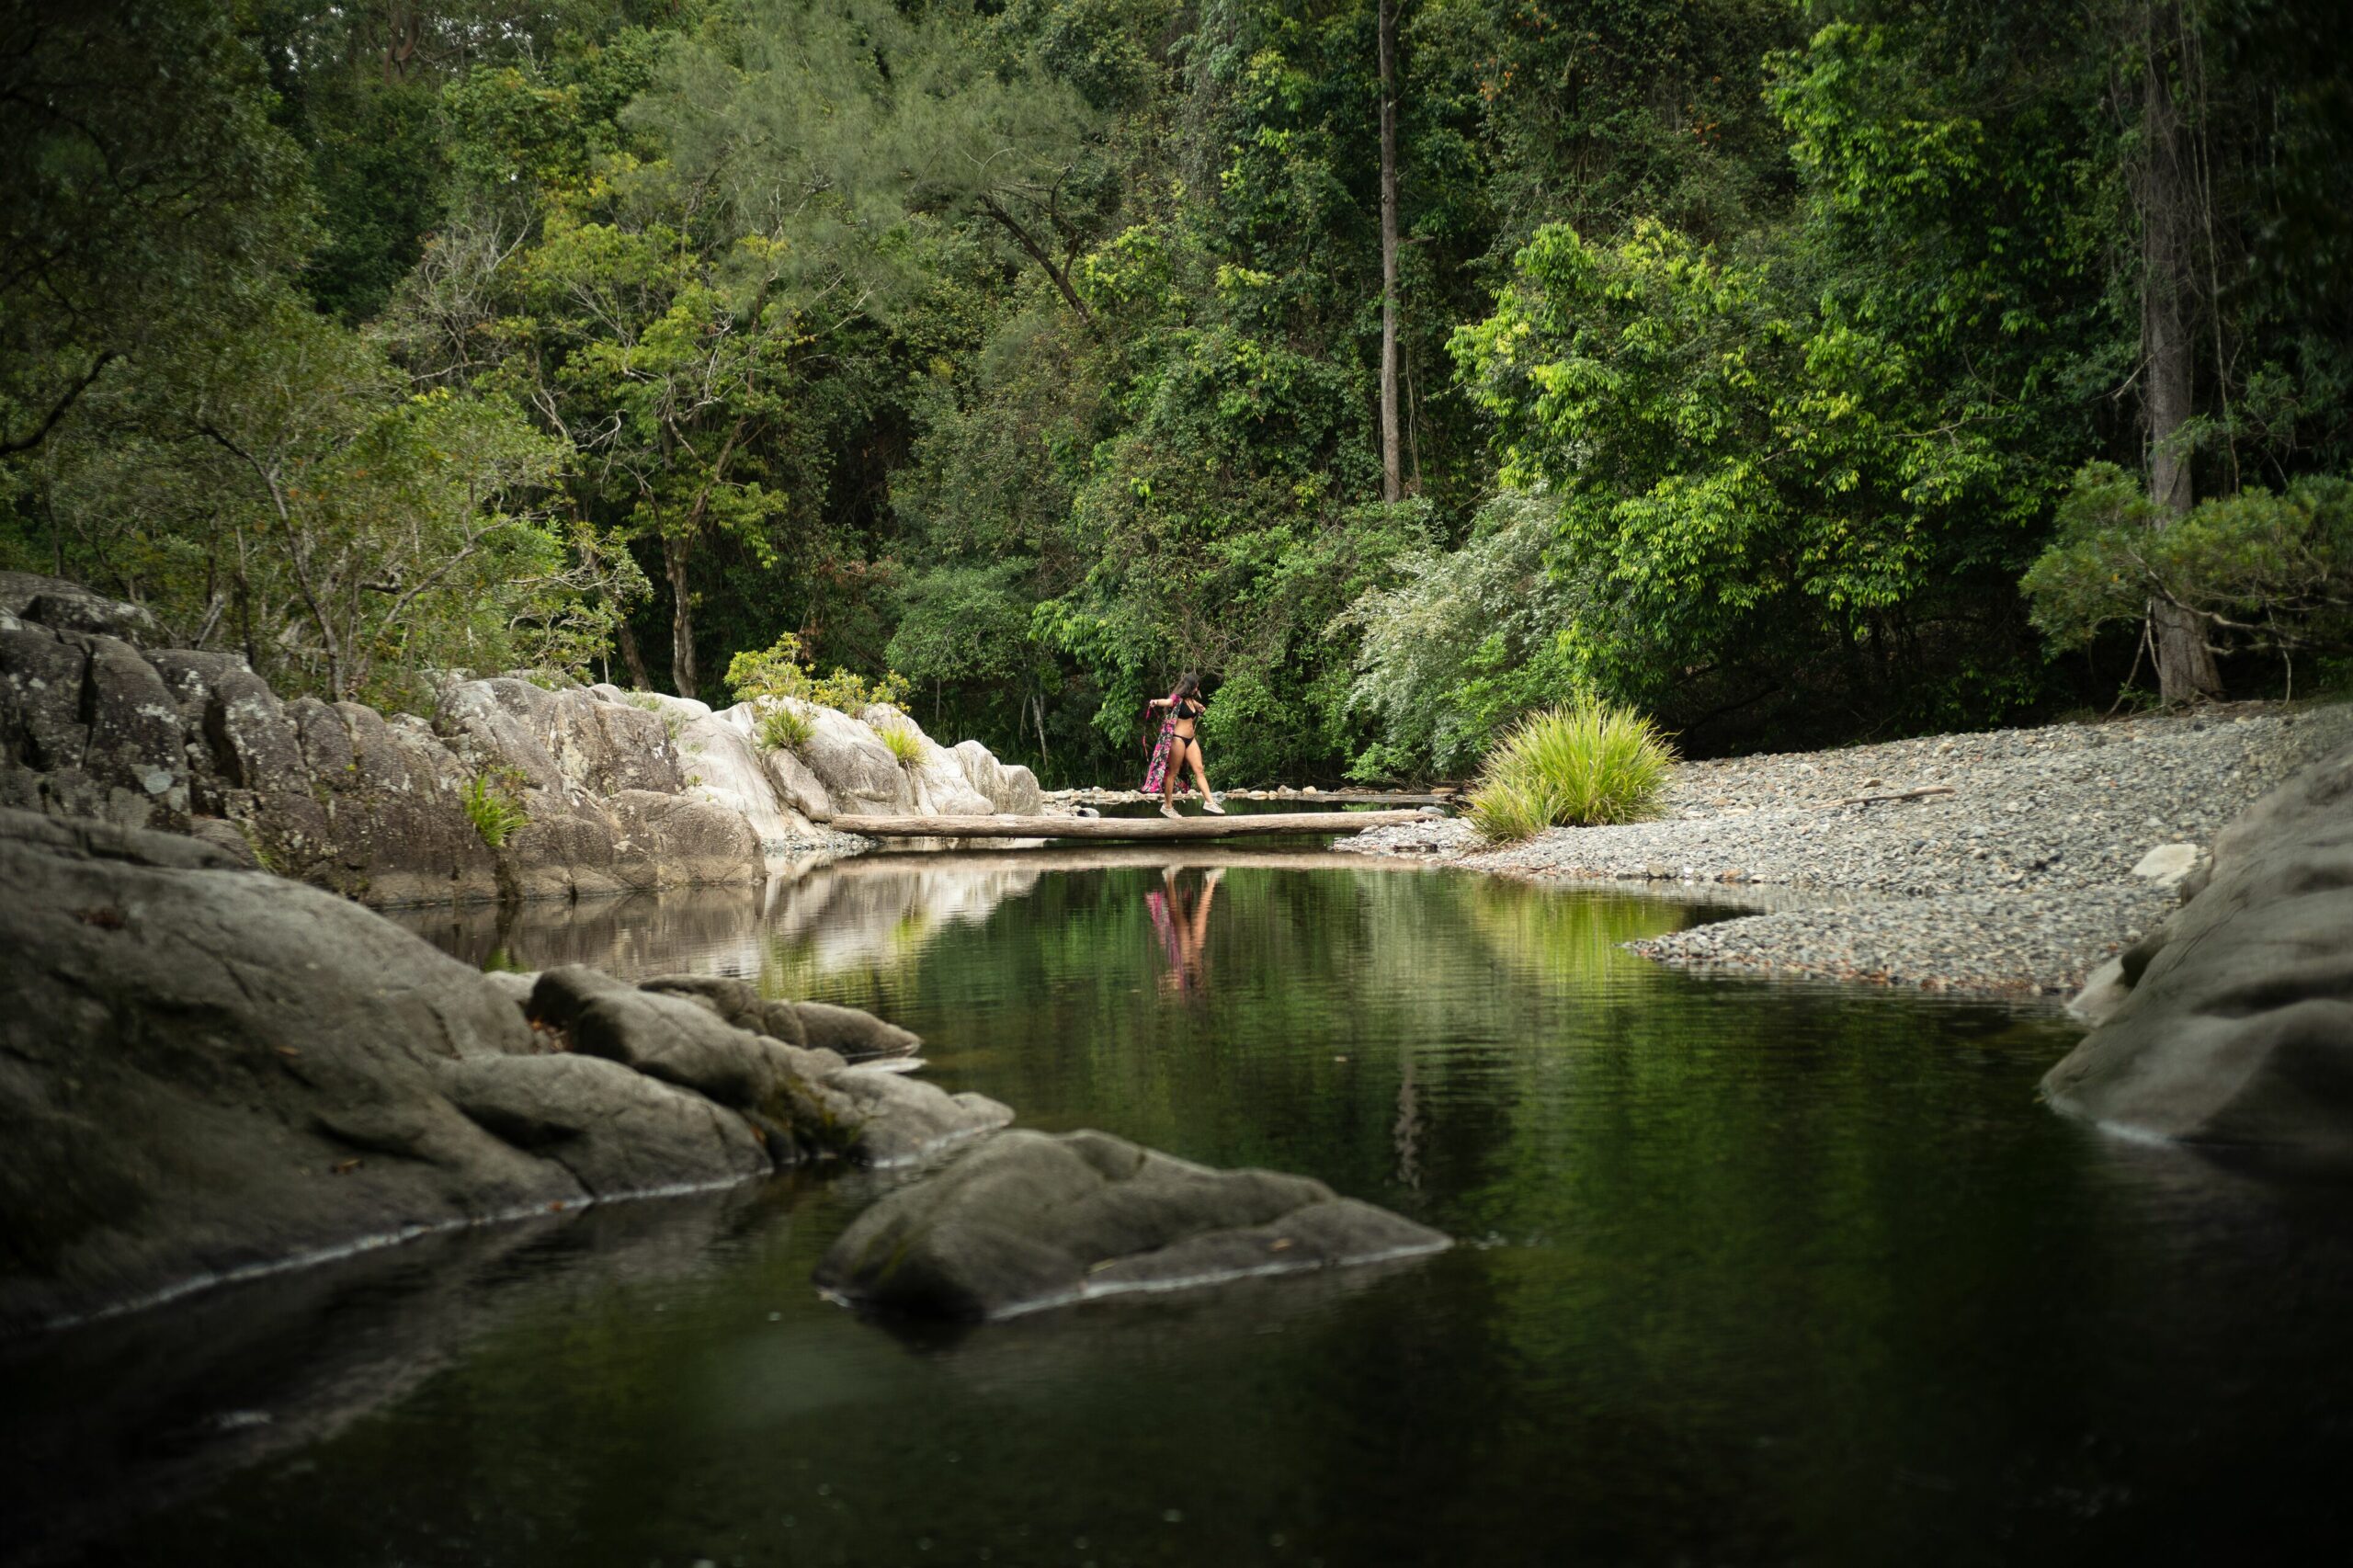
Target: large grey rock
[937,774]
[860,775]
[796,787]
[68,606]
[684,841]
[724,767]
[401,833]
[1010,789]
[621,792]
[1029,1220]
[205,1069]
[567,741]
[2237,1030]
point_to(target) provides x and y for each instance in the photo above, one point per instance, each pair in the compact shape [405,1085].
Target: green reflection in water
[1755,1273]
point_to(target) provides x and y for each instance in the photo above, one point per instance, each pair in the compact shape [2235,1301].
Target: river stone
[737,1002]
[663,1037]
[857,1036]
[2238,1030]
[871,1116]
[401,835]
[2167,865]
[1029,1220]
[616,1132]
[809,1103]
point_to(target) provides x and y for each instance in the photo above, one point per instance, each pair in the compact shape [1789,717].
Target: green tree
[278,488]
[144,192]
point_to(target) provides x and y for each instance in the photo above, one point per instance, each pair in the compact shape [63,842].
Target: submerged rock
[1029,1221]
[2237,1024]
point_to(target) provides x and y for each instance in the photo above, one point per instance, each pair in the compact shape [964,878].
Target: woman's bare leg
[1201,777]
[1169,779]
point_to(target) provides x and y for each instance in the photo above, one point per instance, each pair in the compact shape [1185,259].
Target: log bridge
[1262,824]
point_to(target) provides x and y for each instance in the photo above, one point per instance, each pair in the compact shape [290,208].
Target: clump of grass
[1588,765]
[785,728]
[492,807]
[903,742]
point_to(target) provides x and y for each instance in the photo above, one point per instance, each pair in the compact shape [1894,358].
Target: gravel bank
[2018,881]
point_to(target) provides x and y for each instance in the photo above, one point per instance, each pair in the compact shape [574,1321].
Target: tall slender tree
[2167,194]
[1393,480]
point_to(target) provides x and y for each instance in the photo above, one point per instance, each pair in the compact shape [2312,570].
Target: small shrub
[903,743]
[1587,765]
[784,727]
[776,672]
[492,807]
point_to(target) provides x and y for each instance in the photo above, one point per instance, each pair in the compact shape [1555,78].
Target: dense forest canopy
[1796,371]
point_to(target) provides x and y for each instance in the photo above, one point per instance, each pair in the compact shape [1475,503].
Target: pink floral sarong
[1157,773]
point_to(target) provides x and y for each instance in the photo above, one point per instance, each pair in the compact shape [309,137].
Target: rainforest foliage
[1792,372]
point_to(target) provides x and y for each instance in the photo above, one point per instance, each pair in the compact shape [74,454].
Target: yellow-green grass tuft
[903,743]
[784,727]
[1587,765]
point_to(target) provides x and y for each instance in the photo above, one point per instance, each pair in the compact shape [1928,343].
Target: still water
[1752,1273]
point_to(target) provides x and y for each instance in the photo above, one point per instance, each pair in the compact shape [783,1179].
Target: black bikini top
[1186,708]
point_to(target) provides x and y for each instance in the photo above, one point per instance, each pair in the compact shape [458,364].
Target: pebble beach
[2008,861]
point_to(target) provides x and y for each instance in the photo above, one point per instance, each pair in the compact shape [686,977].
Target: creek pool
[1750,1272]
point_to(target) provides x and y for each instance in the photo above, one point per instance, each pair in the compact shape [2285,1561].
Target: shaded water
[1755,1273]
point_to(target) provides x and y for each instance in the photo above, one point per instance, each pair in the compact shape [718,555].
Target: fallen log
[1259,825]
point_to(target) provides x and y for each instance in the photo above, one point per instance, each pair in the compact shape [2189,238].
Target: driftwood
[1262,824]
[1923,791]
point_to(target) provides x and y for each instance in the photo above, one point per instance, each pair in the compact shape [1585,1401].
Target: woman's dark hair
[1187,685]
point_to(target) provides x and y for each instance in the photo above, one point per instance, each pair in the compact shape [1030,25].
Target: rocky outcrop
[206,1070]
[1029,1220]
[614,791]
[2232,1024]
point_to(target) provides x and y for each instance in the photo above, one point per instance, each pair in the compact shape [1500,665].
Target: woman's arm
[1158,702]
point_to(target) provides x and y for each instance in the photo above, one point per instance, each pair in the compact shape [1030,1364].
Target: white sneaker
[1167,810]
[1209,804]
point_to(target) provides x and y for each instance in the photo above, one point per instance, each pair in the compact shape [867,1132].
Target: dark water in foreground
[1755,1273]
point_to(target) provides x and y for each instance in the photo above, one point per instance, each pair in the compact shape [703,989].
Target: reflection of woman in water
[1183,923]
[1180,745]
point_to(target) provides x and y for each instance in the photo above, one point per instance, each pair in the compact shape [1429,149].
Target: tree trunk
[2186,669]
[1393,477]
[639,679]
[675,552]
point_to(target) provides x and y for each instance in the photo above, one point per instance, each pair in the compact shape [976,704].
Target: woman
[1180,745]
